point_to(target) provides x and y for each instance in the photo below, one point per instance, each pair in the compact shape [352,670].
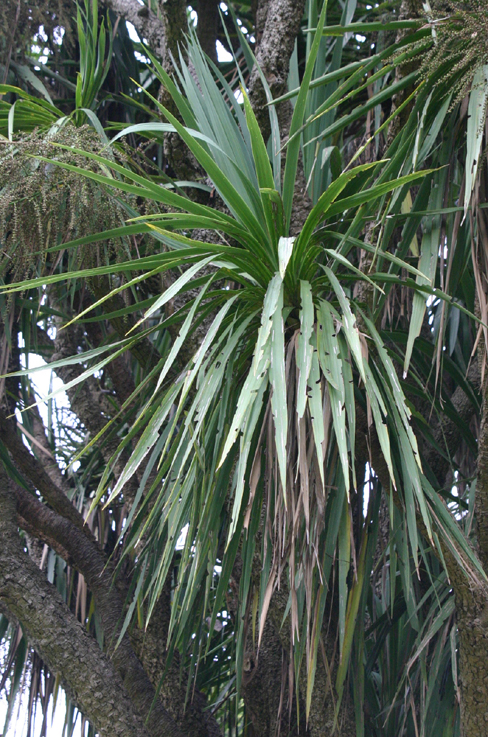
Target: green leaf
[348,321]
[272,297]
[370,27]
[236,203]
[368,195]
[261,159]
[257,376]
[296,122]
[429,257]
[324,204]
[175,288]
[331,364]
[246,441]
[344,540]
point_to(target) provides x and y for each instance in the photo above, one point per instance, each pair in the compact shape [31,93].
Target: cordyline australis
[261,508]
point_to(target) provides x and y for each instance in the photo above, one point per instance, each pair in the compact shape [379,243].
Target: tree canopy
[250,239]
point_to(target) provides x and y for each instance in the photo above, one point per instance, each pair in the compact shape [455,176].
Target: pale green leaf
[285,248]
[478,101]
[304,347]
[278,384]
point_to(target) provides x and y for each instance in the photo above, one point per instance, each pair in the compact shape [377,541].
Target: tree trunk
[63,643]
[472,623]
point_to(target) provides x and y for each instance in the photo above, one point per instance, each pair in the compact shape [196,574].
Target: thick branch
[89,561]
[275,48]
[35,472]
[195,719]
[61,641]
[42,450]
[173,13]
[40,536]
[208,22]
[146,23]
[150,647]
[276,41]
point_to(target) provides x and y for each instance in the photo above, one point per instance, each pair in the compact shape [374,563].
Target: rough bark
[63,529]
[173,15]
[62,642]
[283,18]
[260,11]
[91,562]
[140,677]
[472,623]
[265,687]
[277,26]
[271,700]
[36,473]
[146,23]
[151,647]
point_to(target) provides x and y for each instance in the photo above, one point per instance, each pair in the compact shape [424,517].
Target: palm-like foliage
[247,422]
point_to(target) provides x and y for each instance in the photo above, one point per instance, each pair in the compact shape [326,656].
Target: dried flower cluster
[460,43]
[43,205]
